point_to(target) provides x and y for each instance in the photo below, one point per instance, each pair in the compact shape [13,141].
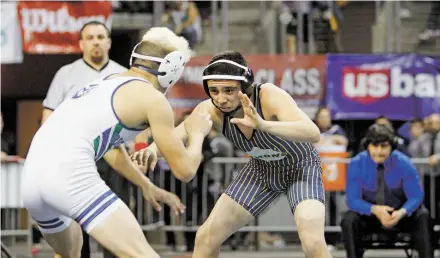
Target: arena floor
[290,252]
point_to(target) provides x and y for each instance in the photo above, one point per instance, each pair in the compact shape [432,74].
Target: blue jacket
[403,186]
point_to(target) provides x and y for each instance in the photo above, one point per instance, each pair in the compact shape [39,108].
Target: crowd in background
[187,18]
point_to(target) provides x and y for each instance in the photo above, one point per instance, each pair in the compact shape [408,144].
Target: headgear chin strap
[170,68]
[230,113]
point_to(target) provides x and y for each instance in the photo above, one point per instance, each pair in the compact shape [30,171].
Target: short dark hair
[93,23]
[224,68]
[379,134]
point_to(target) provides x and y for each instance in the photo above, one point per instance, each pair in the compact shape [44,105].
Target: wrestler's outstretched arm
[119,160]
[148,157]
[183,162]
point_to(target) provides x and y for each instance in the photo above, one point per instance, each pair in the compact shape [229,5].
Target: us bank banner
[395,85]
[302,77]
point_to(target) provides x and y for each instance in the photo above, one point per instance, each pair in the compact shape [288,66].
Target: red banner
[301,76]
[53,27]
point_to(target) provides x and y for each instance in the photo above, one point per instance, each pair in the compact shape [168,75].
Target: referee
[95,43]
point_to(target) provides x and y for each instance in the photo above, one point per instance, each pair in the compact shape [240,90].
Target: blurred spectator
[328,26]
[383,182]
[333,140]
[331,134]
[205,9]
[433,129]
[95,42]
[433,24]
[326,17]
[292,9]
[185,18]
[428,146]
[7,141]
[416,129]
[383,120]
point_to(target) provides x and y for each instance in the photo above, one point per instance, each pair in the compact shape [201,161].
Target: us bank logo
[266,154]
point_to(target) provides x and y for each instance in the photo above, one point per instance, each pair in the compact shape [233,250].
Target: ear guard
[170,68]
[247,78]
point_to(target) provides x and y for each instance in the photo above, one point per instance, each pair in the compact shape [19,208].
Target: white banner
[10,40]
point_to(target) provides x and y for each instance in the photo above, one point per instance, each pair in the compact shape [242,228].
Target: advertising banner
[53,27]
[398,86]
[302,77]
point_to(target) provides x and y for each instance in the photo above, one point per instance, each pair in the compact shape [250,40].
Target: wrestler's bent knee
[312,244]
[205,238]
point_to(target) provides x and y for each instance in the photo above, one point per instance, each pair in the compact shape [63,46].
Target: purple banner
[400,86]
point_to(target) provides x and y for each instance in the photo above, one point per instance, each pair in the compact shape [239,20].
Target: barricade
[220,173]
[14,219]
[199,196]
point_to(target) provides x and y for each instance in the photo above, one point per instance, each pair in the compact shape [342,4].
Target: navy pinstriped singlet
[267,149]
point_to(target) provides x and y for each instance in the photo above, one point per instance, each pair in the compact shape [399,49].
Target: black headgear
[380,133]
[246,78]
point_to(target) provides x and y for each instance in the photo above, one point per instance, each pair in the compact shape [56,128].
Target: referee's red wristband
[140,146]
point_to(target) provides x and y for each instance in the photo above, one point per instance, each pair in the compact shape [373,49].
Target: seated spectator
[428,146]
[416,129]
[384,192]
[331,134]
[433,129]
[186,19]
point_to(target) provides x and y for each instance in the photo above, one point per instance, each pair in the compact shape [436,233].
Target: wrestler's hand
[251,117]
[172,200]
[154,195]
[145,158]
[198,122]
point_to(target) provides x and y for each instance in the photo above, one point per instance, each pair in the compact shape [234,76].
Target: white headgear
[170,68]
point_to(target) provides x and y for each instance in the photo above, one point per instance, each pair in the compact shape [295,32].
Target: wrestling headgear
[246,78]
[170,68]
[246,81]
